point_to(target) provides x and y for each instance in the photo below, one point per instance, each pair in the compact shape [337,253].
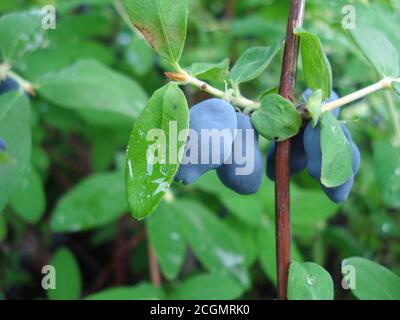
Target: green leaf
[163,23]
[213,243]
[314,106]
[310,210]
[248,237]
[269,91]
[343,241]
[29,200]
[5,158]
[210,71]
[380,17]
[396,87]
[95,23]
[167,240]
[20,33]
[267,249]
[65,7]
[316,68]
[68,277]
[139,56]
[337,157]
[60,55]
[255,25]
[15,129]
[309,281]
[277,118]
[378,49]
[387,175]
[89,86]
[372,281]
[105,143]
[253,62]
[95,201]
[207,287]
[152,165]
[248,209]
[142,291]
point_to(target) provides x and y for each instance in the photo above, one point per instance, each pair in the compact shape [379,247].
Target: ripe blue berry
[298,159]
[2,145]
[213,125]
[8,84]
[242,172]
[341,193]
[312,146]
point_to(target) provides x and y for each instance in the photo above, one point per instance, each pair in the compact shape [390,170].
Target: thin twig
[183,78]
[24,84]
[230,9]
[383,84]
[282,186]
[155,275]
[120,253]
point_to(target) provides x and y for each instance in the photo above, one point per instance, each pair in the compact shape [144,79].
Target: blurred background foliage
[94,75]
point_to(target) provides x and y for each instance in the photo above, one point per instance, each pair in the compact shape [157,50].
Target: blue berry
[341,193]
[312,146]
[249,180]
[2,145]
[298,158]
[220,117]
[8,84]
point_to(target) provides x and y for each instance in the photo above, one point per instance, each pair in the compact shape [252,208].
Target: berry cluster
[232,152]
[306,153]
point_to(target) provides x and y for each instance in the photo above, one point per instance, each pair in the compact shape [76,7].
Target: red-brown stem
[155,275]
[282,186]
[230,9]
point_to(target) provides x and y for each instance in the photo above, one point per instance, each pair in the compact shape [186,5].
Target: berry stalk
[383,84]
[231,96]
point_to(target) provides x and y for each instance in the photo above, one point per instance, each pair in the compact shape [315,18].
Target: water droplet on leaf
[311,279]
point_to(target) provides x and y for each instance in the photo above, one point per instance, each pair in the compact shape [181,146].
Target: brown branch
[113,266]
[282,186]
[230,9]
[155,275]
[100,280]
[120,253]
[136,240]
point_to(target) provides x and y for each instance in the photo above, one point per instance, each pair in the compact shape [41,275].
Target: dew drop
[311,279]
[385,227]
[130,170]
[175,236]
